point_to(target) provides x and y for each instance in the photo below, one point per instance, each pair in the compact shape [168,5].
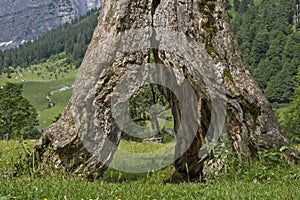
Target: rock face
[198,68]
[24,20]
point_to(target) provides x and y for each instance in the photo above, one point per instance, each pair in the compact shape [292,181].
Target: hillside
[48,66]
[25,20]
[70,38]
[268,33]
[40,82]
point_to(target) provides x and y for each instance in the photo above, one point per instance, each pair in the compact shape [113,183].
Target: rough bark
[198,68]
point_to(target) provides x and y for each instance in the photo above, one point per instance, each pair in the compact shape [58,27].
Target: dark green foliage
[18,117]
[236,5]
[260,47]
[269,42]
[70,38]
[291,122]
[140,105]
[147,107]
[228,4]
[281,87]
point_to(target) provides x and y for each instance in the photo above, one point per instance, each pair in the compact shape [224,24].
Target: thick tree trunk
[199,69]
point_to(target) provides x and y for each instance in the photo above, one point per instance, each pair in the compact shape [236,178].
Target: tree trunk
[199,70]
[153,114]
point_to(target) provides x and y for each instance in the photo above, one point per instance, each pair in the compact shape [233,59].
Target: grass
[57,188]
[55,68]
[262,180]
[143,157]
[47,116]
[39,80]
[12,153]
[36,93]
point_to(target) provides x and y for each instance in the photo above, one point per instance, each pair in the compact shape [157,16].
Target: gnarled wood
[199,70]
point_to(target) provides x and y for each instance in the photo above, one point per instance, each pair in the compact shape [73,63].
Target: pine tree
[18,117]
[291,123]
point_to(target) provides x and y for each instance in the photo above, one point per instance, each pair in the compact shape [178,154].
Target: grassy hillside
[49,64]
[41,79]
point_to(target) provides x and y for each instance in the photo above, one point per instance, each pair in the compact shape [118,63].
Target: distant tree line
[72,38]
[268,33]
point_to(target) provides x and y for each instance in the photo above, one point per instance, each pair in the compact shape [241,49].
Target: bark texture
[199,70]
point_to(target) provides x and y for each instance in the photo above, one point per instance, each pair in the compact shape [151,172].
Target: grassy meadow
[41,79]
[262,180]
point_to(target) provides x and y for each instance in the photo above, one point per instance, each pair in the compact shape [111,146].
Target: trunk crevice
[199,70]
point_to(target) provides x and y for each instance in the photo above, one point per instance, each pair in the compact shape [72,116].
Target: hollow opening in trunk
[151,114]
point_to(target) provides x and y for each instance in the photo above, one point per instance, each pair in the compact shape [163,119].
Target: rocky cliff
[24,20]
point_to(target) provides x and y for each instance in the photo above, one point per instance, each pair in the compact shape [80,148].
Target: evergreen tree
[281,87]
[18,117]
[268,41]
[291,123]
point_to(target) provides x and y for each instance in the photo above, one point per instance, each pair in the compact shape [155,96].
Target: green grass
[38,80]
[143,157]
[58,188]
[55,68]
[36,92]
[47,116]
[261,180]
[12,153]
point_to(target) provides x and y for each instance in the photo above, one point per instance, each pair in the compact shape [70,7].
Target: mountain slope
[24,20]
[72,38]
[47,67]
[268,33]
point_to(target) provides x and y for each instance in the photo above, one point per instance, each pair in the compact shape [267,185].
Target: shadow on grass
[158,176]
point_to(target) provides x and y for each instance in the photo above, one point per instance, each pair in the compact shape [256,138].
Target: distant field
[55,68]
[47,116]
[39,80]
[36,92]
